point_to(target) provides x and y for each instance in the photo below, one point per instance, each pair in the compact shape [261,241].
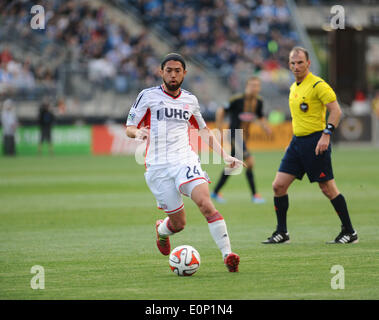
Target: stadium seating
[86,56]
[113,57]
[228,35]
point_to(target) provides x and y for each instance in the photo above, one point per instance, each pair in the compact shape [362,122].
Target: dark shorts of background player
[246,153]
[45,134]
[300,158]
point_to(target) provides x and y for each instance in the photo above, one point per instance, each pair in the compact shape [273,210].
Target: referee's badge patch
[304,107]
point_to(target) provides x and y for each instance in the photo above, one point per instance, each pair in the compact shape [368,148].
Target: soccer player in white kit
[163,115]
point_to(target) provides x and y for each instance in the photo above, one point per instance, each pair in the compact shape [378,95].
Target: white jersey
[169,119]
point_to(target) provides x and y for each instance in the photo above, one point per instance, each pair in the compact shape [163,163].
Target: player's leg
[249,161]
[41,140]
[216,223]
[330,190]
[172,224]
[168,199]
[49,141]
[224,177]
[255,196]
[216,191]
[6,145]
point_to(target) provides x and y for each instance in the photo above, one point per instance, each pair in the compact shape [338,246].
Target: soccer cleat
[163,243]
[345,237]
[278,237]
[232,261]
[258,199]
[218,197]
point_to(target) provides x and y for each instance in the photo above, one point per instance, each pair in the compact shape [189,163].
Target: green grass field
[89,221]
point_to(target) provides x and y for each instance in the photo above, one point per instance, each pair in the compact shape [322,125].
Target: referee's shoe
[278,237]
[345,237]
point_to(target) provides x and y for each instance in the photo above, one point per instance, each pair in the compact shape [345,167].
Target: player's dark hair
[173,56]
[297,49]
[253,78]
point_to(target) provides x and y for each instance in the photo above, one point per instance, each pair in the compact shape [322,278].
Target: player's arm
[264,125]
[208,137]
[333,121]
[220,114]
[262,119]
[136,117]
[139,134]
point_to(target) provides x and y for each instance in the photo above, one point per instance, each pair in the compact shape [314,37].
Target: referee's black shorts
[300,158]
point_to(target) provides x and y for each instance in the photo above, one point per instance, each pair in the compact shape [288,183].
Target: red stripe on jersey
[147,149]
[193,122]
[145,119]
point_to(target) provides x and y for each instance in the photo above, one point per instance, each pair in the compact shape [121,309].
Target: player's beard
[174,87]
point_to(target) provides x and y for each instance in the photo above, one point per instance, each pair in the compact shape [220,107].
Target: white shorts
[168,184]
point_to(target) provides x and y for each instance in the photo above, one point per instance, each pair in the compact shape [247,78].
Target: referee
[243,109]
[310,150]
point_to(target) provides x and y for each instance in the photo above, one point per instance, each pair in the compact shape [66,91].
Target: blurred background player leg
[46,120]
[249,160]
[255,196]
[216,195]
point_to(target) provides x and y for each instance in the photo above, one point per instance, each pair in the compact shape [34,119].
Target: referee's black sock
[339,204]
[221,182]
[281,207]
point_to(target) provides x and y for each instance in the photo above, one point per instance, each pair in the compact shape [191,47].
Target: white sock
[163,229]
[217,228]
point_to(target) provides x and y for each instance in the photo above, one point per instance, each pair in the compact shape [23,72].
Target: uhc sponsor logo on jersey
[174,114]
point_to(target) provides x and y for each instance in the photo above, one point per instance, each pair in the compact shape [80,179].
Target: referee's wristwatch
[329,129]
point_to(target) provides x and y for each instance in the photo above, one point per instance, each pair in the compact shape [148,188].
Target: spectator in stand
[87,33]
[248,23]
[5,78]
[5,55]
[9,124]
[227,34]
